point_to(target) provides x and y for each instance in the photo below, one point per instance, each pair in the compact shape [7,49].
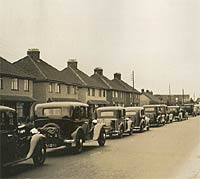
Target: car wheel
[40,154]
[102,138]
[79,144]
[121,131]
[141,127]
[131,129]
[148,127]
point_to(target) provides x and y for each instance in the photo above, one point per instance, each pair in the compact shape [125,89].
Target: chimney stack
[72,63]
[117,76]
[98,71]
[34,53]
[142,90]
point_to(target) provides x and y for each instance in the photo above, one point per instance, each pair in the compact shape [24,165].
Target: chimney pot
[34,53]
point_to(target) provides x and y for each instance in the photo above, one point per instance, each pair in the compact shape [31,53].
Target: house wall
[7,81]
[42,94]
[144,100]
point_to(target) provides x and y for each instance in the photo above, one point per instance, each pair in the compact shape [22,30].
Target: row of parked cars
[69,124]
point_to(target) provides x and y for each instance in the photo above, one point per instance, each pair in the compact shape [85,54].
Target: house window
[1,83]
[104,93]
[74,90]
[57,88]
[100,93]
[93,92]
[15,84]
[50,88]
[68,90]
[26,85]
[88,91]
[116,93]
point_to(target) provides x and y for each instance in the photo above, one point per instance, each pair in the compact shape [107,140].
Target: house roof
[126,86]
[76,76]
[8,69]
[152,98]
[38,69]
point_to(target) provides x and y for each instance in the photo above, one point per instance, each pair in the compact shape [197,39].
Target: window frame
[15,84]
[26,85]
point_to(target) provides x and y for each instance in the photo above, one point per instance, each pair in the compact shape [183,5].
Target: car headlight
[34,131]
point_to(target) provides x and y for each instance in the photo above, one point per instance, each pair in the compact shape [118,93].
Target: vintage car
[156,114]
[140,120]
[174,113]
[197,109]
[183,112]
[17,143]
[113,117]
[189,108]
[67,123]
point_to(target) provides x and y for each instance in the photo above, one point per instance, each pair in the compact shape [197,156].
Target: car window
[52,112]
[131,113]
[149,109]
[7,120]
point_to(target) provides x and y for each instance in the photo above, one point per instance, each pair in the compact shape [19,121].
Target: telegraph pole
[183,95]
[170,94]
[133,80]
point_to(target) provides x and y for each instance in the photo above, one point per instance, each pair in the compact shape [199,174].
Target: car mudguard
[97,130]
[74,134]
[129,125]
[33,143]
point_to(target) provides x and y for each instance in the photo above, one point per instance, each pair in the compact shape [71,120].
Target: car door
[9,136]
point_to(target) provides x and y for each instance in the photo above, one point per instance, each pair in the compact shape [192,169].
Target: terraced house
[119,93]
[16,89]
[48,84]
[90,91]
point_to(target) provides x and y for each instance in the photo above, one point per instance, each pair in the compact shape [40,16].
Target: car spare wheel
[102,137]
[39,155]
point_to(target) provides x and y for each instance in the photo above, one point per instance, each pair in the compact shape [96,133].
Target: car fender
[33,143]
[74,134]
[97,131]
[142,122]
[121,124]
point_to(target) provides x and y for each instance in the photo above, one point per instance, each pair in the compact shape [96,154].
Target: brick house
[16,89]
[90,91]
[48,84]
[118,92]
[147,98]
[174,99]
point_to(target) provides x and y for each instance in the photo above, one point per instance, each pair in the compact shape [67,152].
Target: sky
[158,39]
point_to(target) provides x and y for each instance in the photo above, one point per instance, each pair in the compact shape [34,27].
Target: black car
[17,143]
[67,123]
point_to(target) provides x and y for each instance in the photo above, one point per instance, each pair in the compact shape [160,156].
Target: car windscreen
[131,113]
[7,120]
[172,109]
[149,109]
[107,114]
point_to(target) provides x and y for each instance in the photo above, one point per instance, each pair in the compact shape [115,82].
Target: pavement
[168,152]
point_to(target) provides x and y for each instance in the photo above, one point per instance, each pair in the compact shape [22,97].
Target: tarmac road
[168,152]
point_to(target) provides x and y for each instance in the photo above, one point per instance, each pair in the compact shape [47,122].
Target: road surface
[168,152]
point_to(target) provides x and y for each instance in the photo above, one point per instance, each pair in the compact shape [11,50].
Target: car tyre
[39,154]
[121,131]
[79,144]
[102,137]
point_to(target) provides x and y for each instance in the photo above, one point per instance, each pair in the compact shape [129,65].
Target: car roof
[173,106]
[137,108]
[110,108]
[5,108]
[59,104]
[156,105]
